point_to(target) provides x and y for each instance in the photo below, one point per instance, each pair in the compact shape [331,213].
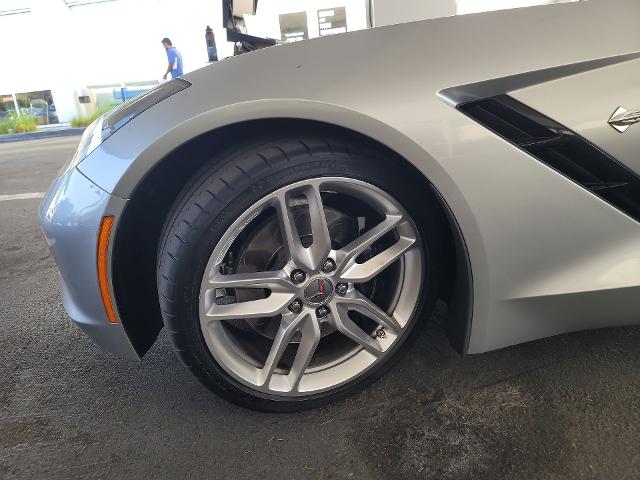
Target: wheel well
[142,221]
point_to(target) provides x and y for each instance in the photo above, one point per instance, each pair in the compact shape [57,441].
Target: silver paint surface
[545,254]
[70,216]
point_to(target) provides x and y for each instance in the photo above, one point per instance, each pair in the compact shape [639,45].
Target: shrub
[86,121]
[18,124]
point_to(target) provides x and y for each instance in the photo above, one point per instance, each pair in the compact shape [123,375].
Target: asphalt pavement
[567,407]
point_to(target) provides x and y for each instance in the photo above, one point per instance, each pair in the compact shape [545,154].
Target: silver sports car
[291,215]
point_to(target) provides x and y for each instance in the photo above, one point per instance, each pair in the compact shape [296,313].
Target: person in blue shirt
[175,59]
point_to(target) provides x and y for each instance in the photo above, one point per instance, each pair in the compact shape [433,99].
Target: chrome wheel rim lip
[349,366]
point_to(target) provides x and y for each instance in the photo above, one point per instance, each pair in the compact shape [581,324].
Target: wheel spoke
[363,272]
[317,252]
[319,229]
[310,330]
[277,281]
[281,294]
[347,327]
[280,343]
[264,307]
[348,254]
[361,304]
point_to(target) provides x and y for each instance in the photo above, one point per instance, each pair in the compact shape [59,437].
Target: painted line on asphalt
[21,196]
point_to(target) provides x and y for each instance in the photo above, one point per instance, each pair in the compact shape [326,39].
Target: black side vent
[561,149]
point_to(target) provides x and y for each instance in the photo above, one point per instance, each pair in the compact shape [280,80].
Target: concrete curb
[65,132]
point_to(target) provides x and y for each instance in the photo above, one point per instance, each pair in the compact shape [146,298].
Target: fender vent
[561,149]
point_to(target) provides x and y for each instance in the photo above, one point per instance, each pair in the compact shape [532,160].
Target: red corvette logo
[318,291]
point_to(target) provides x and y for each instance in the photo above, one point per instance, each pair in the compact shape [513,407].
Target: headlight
[90,140]
[103,127]
[130,110]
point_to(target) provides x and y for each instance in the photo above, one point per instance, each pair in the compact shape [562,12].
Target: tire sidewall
[188,336]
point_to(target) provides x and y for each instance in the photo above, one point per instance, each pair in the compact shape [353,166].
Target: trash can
[86,103]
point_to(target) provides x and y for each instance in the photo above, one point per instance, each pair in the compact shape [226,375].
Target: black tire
[230,184]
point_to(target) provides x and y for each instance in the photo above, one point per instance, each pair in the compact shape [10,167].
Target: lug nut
[298,276]
[322,312]
[296,306]
[342,288]
[381,333]
[328,266]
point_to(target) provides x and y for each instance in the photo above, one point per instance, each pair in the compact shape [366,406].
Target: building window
[293,26]
[39,104]
[332,21]
[7,107]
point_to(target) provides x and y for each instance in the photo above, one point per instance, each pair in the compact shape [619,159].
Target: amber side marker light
[104,234]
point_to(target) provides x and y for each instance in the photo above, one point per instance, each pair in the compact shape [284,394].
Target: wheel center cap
[318,292]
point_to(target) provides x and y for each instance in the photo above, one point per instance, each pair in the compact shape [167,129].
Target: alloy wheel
[313,307]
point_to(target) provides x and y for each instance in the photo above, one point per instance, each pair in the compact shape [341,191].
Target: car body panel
[544,252]
[70,216]
[338,73]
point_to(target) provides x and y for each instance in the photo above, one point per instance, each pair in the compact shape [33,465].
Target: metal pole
[15,103]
